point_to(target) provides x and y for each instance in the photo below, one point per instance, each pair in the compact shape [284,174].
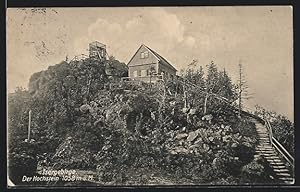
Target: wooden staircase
[266,150]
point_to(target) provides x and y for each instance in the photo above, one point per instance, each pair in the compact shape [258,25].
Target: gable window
[144,54]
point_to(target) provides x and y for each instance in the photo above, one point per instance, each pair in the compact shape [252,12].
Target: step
[272,163]
[279,167]
[272,158]
[264,141]
[281,170]
[265,153]
[264,146]
[264,138]
[262,150]
[286,178]
[289,182]
[283,174]
[276,162]
[268,156]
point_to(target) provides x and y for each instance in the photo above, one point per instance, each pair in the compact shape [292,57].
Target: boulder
[193,146]
[207,117]
[210,139]
[93,104]
[214,161]
[152,115]
[180,136]
[205,147]
[192,136]
[234,145]
[179,150]
[199,140]
[185,110]
[181,142]
[192,111]
[85,108]
[172,103]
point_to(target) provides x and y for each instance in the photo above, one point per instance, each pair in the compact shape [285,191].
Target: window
[144,54]
[144,73]
[135,74]
[139,73]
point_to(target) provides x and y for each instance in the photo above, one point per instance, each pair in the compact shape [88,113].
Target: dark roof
[161,58]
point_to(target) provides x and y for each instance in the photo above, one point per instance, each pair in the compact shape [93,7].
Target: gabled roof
[162,59]
[159,57]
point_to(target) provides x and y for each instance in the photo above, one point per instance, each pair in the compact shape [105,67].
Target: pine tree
[211,83]
[226,87]
[212,78]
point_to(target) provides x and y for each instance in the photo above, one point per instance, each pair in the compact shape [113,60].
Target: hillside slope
[132,134]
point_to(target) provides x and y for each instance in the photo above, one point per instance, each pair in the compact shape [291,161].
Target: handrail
[274,142]
[290,158]
[287,156]
[267,123]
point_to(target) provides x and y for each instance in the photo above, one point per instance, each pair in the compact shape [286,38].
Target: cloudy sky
[258,37]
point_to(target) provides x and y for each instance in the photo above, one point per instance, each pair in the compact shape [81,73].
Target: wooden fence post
[29,125]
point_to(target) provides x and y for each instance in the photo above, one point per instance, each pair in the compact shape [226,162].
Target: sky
[258,37]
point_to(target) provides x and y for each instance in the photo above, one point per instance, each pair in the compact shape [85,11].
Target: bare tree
[243,93]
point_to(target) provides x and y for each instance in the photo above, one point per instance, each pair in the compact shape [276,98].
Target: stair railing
[267,124]
[274,142]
